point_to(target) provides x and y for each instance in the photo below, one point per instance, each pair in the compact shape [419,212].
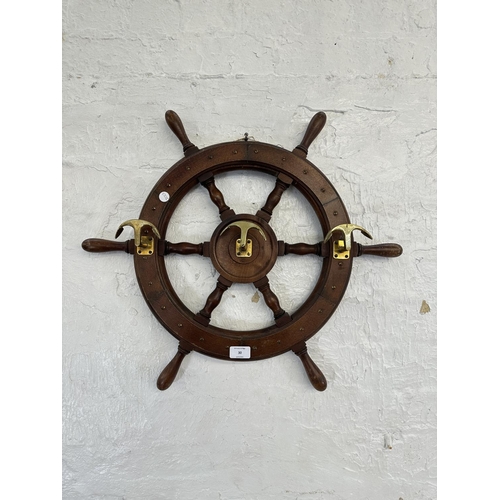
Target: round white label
[164,196]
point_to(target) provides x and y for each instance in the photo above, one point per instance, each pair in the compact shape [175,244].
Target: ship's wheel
[243,249]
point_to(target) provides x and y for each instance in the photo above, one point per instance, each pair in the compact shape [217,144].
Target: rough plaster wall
[234,431]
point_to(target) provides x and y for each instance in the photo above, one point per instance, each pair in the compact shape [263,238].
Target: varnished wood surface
[176,126]
[381,250]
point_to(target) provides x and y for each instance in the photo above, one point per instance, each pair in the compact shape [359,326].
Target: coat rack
[243,249]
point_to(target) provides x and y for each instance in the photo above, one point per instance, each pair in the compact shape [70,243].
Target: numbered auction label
[239,352]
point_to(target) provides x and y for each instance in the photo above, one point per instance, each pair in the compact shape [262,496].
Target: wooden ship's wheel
[243,249]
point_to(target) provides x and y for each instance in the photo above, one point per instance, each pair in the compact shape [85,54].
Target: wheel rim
[152,273]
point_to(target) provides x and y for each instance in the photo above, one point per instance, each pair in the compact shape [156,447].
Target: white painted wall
[244,431]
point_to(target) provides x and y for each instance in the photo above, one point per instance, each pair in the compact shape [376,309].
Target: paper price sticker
[239,352]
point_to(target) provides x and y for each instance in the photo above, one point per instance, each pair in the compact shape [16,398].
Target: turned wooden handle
[313,129]
[176,126]
[382,250]
[214,298]
[216,196]
[183,248]
[302,249]
[314,374]
[167,376]
[98,245]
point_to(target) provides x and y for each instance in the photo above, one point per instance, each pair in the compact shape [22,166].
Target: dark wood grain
[217,197]
[281,317]
[314,374]
[313,129]
[301,248]
[183,248]
[381,250]
[283,182]
[177,127]
[98,245]
[213,301]
[167,376]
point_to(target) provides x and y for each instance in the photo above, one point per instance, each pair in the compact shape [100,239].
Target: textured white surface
[241,431]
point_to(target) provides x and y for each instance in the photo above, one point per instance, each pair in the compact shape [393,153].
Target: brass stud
[304,171]
[301,329]
[211,157]
[202,339]
[235,152]
[255,151]
[335,213]
[283,159]
[163,307]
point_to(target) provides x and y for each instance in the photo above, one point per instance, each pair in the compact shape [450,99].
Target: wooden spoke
[167,376]
[314,374]
[283,182]
[216,196]
[177,127]
[213,301]
[302,249]
[381,250]
[313,129]
[280,316]
[184,248]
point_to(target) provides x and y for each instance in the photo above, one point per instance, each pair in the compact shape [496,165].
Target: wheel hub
[244,261]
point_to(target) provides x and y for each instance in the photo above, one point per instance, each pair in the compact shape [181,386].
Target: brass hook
[140,241]
[244,246]
[342,247]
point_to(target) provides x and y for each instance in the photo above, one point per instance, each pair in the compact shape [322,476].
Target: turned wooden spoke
[381,250]
[302,249]
[185,248]
[216,196]
[283,182]
[213,301]
[177,127]
[313,129]
[280,316]
[167,376]
[314,374]
[98,245]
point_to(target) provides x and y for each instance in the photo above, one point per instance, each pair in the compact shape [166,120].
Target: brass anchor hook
[342,247]
[144,244]
[244,245]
